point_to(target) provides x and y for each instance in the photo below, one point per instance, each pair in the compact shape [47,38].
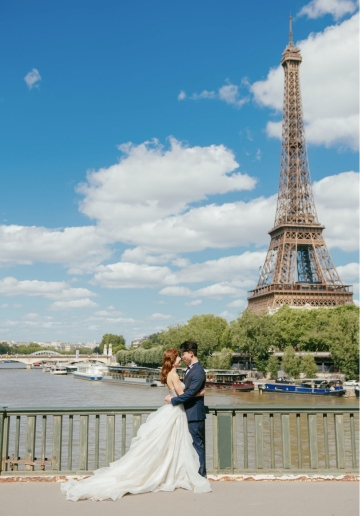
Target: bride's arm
[177,384]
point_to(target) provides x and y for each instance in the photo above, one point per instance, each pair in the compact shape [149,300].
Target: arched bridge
[45,356]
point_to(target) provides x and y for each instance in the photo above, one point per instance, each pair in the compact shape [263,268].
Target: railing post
[313,441]
[110,439]
[339,441]
[285,437]
[136,423]
[84,443]
[123,434]
[57,443]
[225,441]
[17,442]
[326,441]
[97,440]
[30,440]
[259,441]
[234,443]
[70,441]
[215,442]
[272,443]
[3,438]
[298,434]
[246,443]
[353,444]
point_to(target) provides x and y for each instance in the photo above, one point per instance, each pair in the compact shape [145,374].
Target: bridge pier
[28,366]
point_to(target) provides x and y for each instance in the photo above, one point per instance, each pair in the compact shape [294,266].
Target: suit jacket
[194,382]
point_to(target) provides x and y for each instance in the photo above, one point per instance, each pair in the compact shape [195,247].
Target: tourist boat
[37,365]
[70,367]
[58,370]
[133,374]
[47,368]
[93,372]
[228,380]
[314,387]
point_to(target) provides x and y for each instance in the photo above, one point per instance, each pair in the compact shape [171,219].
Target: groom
[194,380]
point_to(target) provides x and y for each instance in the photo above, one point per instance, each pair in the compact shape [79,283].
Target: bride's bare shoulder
[171,379]
[173,374]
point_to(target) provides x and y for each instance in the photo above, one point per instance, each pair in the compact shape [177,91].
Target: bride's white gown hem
[161,458]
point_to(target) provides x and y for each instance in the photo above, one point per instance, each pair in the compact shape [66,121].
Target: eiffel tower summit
[298,269]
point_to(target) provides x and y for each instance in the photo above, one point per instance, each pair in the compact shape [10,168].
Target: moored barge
[228,380]
[133,374]
[303,388]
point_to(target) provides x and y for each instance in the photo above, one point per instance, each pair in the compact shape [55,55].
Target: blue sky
[140,156]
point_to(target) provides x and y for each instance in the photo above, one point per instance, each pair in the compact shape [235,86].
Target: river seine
[33,388]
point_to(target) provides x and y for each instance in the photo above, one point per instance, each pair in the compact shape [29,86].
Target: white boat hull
[88,376]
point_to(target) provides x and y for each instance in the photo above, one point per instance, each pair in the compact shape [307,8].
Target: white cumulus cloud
[47,289]
[329,83]
[337,203]
[32,78]
[349,272]
[158,316]
[75,303]
[182,95]
[69,246]
[337,8]
[228,93]
[151,182]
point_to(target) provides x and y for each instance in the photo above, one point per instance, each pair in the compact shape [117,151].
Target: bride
[161,457]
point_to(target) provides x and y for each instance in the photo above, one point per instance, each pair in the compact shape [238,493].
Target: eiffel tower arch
[298,269]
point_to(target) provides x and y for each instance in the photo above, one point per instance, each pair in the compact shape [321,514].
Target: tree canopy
[324,329]
[117,342]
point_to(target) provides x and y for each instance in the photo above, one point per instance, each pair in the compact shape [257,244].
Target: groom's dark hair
[189,345]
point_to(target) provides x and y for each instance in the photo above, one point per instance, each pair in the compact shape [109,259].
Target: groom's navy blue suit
[194,381]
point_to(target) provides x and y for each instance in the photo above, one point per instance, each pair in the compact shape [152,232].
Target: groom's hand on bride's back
[168,398]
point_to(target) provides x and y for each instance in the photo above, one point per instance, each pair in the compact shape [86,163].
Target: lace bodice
[173,392]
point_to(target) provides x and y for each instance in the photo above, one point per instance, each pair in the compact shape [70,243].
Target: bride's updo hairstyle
[168,362]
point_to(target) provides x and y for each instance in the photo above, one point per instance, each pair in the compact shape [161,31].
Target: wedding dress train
[161,458]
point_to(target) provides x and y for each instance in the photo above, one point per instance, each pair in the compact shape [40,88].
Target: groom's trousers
[197,431]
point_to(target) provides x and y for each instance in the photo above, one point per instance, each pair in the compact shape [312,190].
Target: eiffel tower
[298,269]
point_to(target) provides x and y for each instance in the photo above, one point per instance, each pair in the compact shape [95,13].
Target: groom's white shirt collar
[189,367]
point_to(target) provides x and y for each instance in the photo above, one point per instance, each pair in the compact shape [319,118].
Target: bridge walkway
[231,498]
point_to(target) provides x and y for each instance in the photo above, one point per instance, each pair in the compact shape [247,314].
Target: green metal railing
[244,439]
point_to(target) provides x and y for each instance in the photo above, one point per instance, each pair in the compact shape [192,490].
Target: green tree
[148,344]
[291,362]
[23,349]
[220,360]
[342,335]
[207,330]
[143,357]
[5,349]
[117,342]
[254,334]
[272,367]
[316,330]
[155,338]
[308,366]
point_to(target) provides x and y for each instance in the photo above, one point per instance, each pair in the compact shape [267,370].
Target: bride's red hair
[168,362]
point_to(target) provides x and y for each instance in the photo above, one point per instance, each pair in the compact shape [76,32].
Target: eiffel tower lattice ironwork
[298,268]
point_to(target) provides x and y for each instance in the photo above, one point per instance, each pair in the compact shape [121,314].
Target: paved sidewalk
[228,498]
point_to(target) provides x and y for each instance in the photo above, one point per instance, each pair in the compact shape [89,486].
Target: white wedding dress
[161,458]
